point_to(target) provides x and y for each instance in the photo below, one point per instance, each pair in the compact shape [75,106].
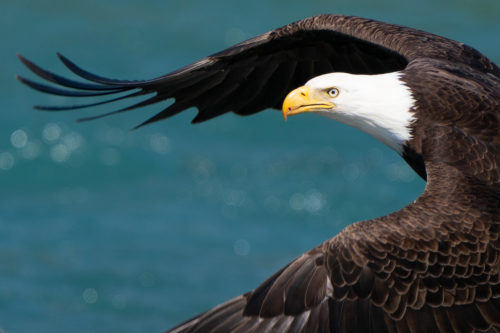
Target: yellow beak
[300,100]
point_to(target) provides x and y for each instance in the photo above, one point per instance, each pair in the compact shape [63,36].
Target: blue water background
[108,230]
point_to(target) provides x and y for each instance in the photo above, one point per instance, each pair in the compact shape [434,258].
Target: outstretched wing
[258,73]
[423,269]
[432,267]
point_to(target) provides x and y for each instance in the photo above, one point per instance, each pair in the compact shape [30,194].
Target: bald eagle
[434,265]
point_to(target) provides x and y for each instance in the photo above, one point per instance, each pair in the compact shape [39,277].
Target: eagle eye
[333,92]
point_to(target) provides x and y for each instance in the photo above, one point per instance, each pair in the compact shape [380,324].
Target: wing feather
[263,69]
[64,92]
[372,277]
[257,68]
[59,80]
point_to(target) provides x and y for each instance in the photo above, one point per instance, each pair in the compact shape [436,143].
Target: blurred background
[104,229]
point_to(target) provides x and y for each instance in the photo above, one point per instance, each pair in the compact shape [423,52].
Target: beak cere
[300,100]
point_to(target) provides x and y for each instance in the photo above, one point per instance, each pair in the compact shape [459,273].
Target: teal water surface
[109,230]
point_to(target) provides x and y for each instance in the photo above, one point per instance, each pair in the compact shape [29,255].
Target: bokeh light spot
[6,161]
[90,296]
[314,201]
[159,143]
[59,153]
[51,132]
[72,141]
[19,138]
[241,247]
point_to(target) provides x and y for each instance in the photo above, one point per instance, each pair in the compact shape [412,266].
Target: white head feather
[380,105]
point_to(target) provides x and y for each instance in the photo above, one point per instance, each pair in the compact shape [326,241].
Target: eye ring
[333,92]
